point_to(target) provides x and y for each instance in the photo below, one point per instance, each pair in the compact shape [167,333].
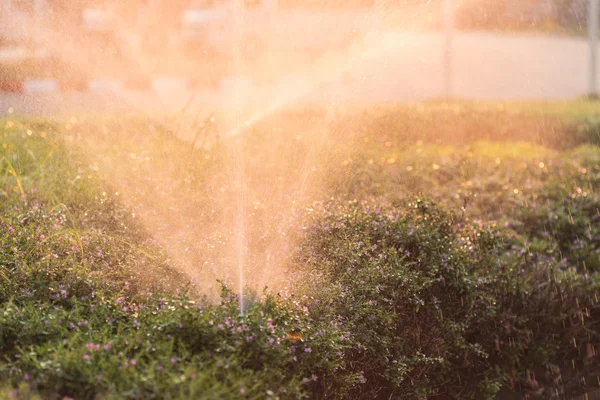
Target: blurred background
[369,51]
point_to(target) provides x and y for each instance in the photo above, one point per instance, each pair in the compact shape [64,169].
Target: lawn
[406,251]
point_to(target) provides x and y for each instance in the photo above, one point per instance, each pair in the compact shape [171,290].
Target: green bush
[547,197]
[479,290]
[155,347]
[91,306]
[436,306]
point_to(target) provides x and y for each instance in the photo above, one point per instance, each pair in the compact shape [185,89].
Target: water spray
[241,119]
[240,175]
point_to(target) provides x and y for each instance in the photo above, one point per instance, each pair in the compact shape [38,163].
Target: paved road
[486,66]
[395,66]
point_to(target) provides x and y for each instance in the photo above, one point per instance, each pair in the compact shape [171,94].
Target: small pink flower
[173,361]
[86,357]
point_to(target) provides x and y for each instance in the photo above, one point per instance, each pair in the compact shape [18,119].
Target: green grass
[431,250]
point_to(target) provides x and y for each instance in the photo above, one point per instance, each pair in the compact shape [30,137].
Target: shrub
[547,197]
[440,307]
[393,298]
[115,347]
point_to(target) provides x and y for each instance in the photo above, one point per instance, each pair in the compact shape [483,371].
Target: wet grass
[432,250]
